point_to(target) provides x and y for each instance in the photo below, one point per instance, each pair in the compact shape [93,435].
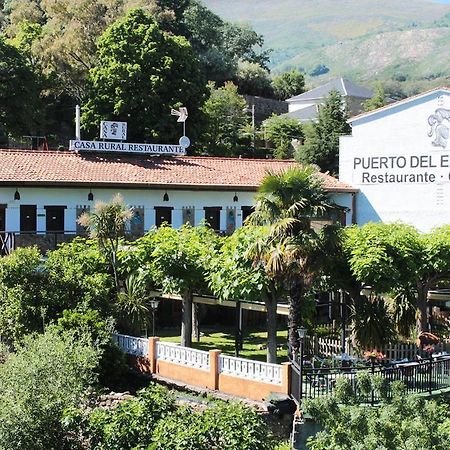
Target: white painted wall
[295,106]
[148,198]
[400,134]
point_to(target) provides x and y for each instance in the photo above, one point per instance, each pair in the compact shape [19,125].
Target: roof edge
[397,103]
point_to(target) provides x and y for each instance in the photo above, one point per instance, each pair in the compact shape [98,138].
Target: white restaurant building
[398,157]
[43,192]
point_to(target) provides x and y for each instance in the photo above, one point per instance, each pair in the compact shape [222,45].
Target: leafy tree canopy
[19,91]
[288,84]
[408,422]
[226,119]
[233,274]
[142,73]
[252,79]
[281,131]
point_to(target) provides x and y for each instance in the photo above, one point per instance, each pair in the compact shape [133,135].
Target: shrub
[381,386]
[364,384]
[47,375]
[131,424]
[21,279]
[227,426]
[21,267]
[77,274]
[344,391]
[90,324]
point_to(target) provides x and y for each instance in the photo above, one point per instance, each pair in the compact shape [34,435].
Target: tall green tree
[296,250]
[179,265]
[281,131]
[234,275]
[288,84]
[378,100]
[225,121]
[142,73]
[321,146]
[252,79]
[19,108]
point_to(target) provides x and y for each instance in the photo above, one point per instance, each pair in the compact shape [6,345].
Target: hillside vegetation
[396,41]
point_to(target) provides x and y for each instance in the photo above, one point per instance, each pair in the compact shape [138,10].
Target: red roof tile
[28,167]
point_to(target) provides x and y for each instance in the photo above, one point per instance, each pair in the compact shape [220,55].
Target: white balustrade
[182,355]
[254,370]
[132,345]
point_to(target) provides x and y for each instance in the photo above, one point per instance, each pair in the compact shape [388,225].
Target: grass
[254,342]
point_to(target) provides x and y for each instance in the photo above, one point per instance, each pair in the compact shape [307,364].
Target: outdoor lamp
[154,302]
[235,198]
[301,331]
[90,196]
[366,291]
[17,195]
[166,197]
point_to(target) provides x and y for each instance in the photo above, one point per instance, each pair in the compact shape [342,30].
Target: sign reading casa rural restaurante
[125,147]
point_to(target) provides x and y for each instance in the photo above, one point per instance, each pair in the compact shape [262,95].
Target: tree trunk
[422,318]
[271,318]
[195,322]
[296,300]
[186,319]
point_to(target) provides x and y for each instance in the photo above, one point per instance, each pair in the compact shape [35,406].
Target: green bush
[381,386]
[180,431]
[344,391]
[409,423]
[364,384]
[21,278]
[21,267]
[47,375]
[228,426]
[131,424]
[90,324]
[77,274]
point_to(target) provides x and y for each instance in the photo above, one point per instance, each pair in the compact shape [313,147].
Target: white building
[305,107]
[43,192]
[398,157]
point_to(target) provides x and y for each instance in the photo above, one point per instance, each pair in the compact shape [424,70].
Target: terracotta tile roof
[28,167]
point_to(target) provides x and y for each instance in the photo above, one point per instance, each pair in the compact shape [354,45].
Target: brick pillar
[214,369]
[286,377]
[152,353]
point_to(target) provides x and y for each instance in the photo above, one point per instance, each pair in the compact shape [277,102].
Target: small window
[163,214]
[212,216]
[55,218]
[246,211]
[28,218]
[2,218]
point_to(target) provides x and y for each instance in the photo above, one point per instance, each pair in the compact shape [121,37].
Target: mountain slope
[397,40]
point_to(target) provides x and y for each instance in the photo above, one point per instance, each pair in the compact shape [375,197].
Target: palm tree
[106,224]
[296,248]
